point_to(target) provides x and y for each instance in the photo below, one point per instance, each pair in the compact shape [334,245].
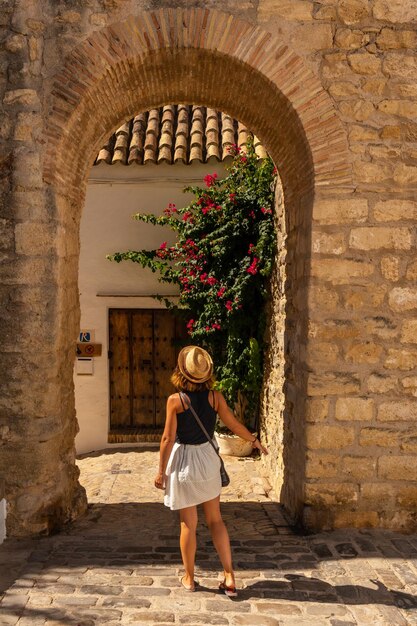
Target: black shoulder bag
[223,474]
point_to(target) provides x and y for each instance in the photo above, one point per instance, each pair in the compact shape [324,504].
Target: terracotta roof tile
[177,133]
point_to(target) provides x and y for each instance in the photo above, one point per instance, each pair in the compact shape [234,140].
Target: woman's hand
[257,445]
[159,481]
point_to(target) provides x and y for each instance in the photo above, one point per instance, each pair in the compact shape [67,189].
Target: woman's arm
[234,425]
[167,440]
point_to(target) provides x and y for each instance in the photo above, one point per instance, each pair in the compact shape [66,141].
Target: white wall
[114,193]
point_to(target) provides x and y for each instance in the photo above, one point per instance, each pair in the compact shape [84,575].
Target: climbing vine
[221,262]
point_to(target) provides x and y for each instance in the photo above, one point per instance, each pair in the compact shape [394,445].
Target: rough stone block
[333,329]
[357,468]
[316,409]
[382,437]
[320,436]
[397,467]
[330,494]
[341,271]
[285,9]
[389,38]
[337,211]
[395,11]
[390,268]
[355,519]
[362,298]
[27,98]
[350,39]
[395,210]
[375,238]
[317,294]
[405,359]
[400,65]
[372,494]
[354,409]
[395,411]
[409,384]
[407,497]
[320,465]
[364,352]
[409,331]
[342,89]
[358,110]
[328,243]
[332,384]
[411,273]
[322,351]
[403,299]
[352,11]
[364,63]
[362,133]
[378,383]
[401,108]
[34,238]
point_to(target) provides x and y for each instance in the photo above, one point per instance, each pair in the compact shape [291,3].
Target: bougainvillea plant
[221,263]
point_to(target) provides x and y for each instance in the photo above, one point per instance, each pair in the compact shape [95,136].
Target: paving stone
[88,576]
[253,620]
[152,616]
[203,618]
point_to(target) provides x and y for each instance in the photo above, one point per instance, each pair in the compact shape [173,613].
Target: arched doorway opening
[200,57]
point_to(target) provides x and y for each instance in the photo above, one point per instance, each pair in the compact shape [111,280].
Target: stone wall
[330,88]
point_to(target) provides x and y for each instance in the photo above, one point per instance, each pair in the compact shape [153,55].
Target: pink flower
[207,328]
[216,326]
[252,269]
[229,305]
[163,245]
[210,179]
[266,211]
[221,291]
[211,280]
[252,215]
[243,158]
[190,325]
[232,197]
[187,217]
[203,277]
[251,248]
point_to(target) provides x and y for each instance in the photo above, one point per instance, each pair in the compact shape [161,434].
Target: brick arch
[196,56]
[205,57]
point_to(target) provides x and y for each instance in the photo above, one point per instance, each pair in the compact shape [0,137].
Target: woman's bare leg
[220,537]
[188,541]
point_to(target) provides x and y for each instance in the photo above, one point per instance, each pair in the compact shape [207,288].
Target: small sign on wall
[88,349]
[85,367]
[86,336]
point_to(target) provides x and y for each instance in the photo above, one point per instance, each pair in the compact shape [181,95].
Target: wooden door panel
[119,368]
[165,360]
[143,364]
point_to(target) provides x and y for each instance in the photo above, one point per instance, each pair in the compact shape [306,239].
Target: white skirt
[192,475]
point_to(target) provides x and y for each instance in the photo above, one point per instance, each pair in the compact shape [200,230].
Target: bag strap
[198,420]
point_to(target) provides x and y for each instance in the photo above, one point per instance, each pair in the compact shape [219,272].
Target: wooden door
[143,350]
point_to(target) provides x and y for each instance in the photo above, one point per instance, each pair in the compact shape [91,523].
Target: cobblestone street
[120,563]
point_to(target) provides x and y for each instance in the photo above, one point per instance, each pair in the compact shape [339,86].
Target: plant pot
[233,445]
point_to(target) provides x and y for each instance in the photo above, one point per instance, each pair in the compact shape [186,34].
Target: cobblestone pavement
[120,563]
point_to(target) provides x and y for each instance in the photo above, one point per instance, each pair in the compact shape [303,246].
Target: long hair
[182,383]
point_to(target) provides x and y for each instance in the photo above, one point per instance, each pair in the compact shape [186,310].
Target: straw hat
[195,364]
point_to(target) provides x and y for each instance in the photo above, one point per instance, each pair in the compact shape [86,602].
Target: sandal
[229,590]
[186,587]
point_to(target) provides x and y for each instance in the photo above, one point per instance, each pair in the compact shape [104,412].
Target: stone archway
[193,56]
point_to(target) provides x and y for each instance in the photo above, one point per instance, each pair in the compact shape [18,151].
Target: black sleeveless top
[188,430]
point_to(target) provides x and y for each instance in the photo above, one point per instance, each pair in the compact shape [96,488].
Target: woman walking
[189,468]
